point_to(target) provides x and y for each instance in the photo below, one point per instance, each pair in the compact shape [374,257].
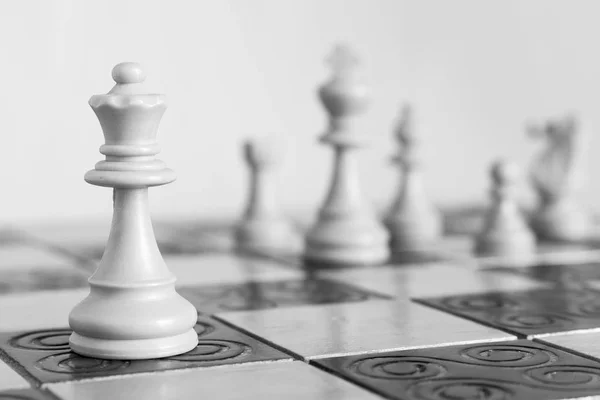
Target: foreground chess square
[505,370]
[289,381]
[354,328]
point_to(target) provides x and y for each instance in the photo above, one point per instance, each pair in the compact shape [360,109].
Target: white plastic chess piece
[263,226]
[347,231]
[413,223]
[133,310]
[505,231]
[556,177]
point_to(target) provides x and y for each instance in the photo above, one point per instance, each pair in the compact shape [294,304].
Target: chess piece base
[134,349]
[561,222]
[519,246]
[339,241]
[414,234]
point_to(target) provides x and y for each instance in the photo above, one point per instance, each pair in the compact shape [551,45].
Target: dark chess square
[516,370]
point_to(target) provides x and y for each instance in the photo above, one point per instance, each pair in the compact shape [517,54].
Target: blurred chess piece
[556,177]
[413,223]
[263,226]
[505,232]
[347,231]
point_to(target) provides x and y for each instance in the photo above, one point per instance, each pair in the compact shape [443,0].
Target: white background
[475,72]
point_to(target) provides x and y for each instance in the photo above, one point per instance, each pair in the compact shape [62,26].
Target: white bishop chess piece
[555,176]
[347,231]
[263,225]
[133,310]
[505,231]
[413,222]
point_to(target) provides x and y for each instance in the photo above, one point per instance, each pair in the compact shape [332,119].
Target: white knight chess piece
[555,176]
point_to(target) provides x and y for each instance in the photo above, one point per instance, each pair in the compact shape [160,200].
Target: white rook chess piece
[414,224]
[505,231]
[556,177]
[263,226]
[347,231]
[133,310]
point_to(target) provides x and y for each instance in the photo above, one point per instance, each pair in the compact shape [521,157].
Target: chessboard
[441,324]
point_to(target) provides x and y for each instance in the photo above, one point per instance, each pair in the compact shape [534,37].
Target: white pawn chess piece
[413,222]
[346,232]
[505,231]
[133,310]
[263,226]
[556,178]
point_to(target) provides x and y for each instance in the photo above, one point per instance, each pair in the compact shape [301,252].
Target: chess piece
[347,231]
[413,223]
[263,226]
[555,177]
[505,231]
[133,310]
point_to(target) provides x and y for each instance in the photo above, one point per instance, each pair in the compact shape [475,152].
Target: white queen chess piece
[133,310]
[555,175]
[347,231]
[413,222]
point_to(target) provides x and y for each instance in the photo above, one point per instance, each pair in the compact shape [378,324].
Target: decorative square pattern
[46,356]
[263,295]
[529,313]
[492,371]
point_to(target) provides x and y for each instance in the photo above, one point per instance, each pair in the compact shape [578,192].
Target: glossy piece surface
[328,330]
[133,310]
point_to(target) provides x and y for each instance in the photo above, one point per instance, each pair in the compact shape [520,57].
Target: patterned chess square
[506,370]
[46,357]
[262,295]
[529,314]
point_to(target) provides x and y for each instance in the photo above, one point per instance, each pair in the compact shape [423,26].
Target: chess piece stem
[344,193]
